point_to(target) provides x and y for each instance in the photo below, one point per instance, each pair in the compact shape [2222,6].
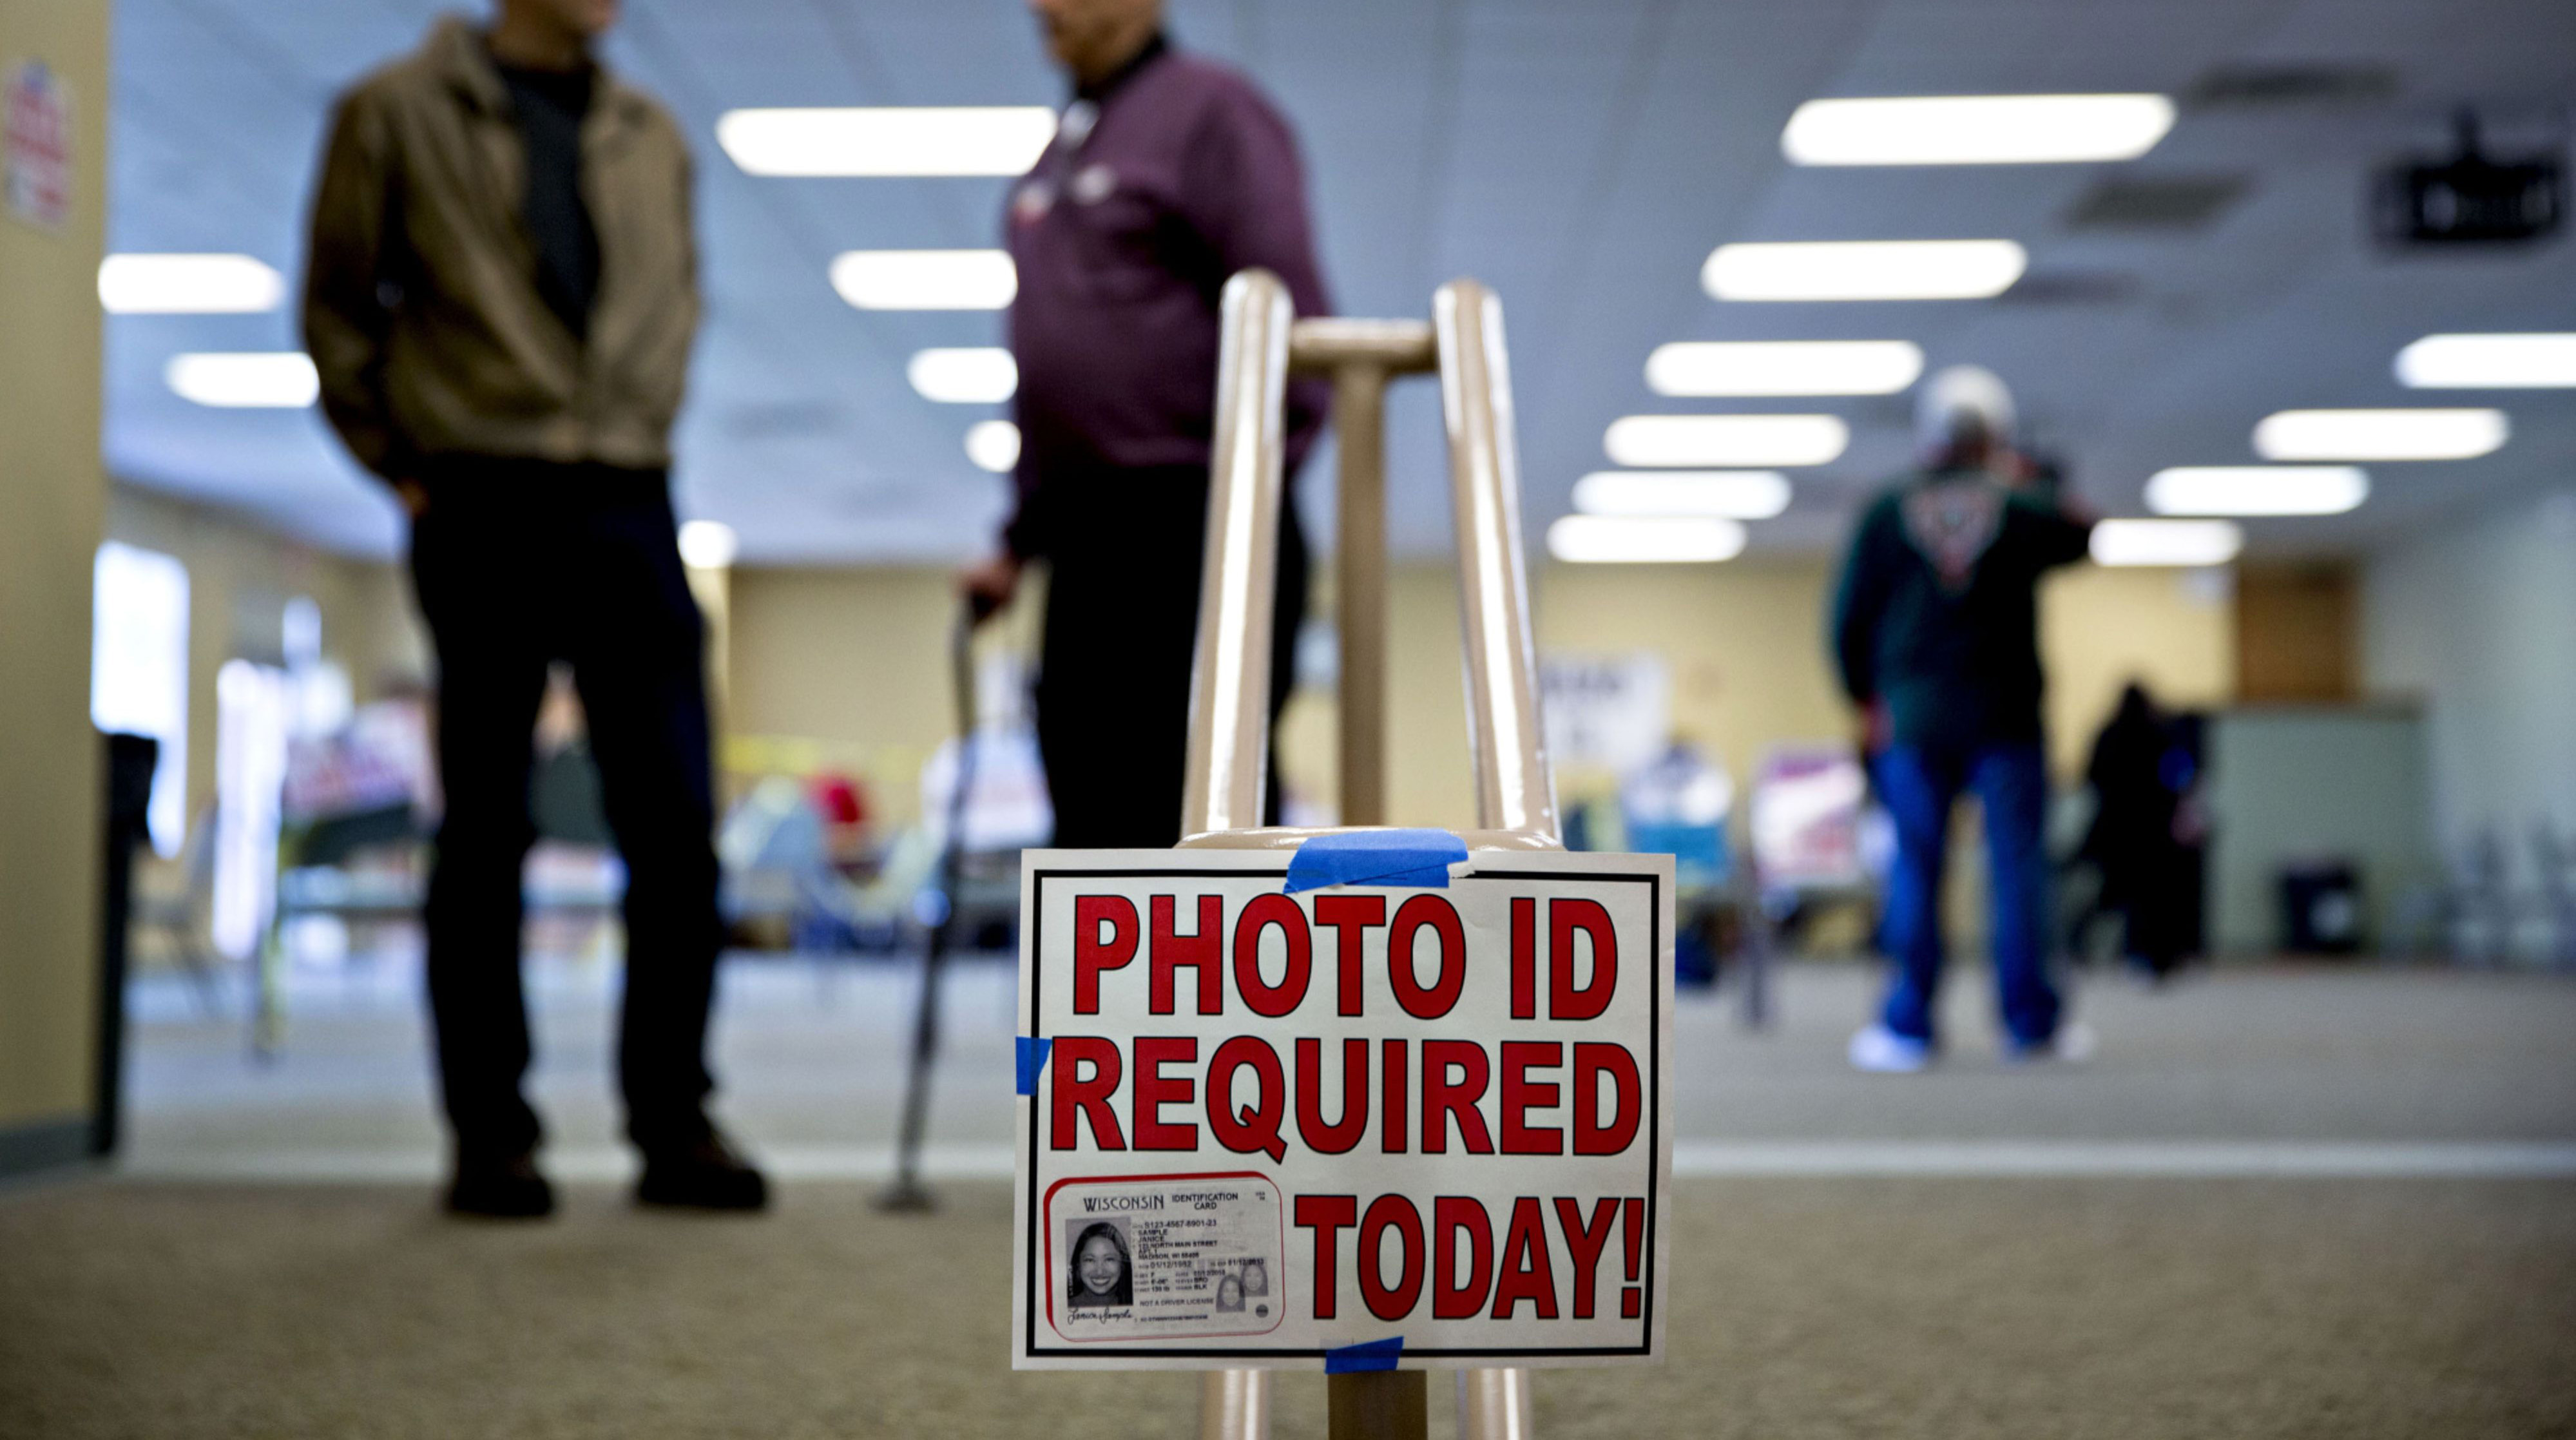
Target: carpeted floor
[814,1057]
[206,1293]
[1951,1308]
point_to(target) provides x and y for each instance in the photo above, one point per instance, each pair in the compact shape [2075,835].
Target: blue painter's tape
[1367,1355]
[1033,1053]
[1413,858]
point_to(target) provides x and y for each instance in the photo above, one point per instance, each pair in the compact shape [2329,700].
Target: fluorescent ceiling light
[1728,494]
[2531,361]
[1976,129]
[2166,542]
[1862,270]
[260,380]
[2380,434]
[891,140]
[2257,489]
[994,445]
[1702,440]
[925,279]
[188,285]
[708,545]
[1783,367]
[983,374]
[1622,539]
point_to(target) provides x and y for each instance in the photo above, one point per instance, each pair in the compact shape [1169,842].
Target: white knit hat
[1960,401]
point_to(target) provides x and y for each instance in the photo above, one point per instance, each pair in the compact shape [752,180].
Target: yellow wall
[1428,776]
[2098,629]
[1743,644]
[854,660]
[50,496]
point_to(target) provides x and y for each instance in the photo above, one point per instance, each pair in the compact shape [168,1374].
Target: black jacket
[1937,615]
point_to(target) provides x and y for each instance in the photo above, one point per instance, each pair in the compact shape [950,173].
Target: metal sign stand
[1230,680]
[1381,1405]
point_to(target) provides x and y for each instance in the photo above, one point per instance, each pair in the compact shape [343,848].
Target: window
[138,678]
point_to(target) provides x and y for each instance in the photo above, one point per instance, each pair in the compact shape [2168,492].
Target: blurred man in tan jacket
[501,300]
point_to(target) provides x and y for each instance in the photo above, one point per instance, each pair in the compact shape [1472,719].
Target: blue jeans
[1919,785]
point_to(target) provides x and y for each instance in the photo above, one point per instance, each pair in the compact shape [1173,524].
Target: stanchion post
[1493,1405]
[1359,588]
[1377,1405]
[1234,1405]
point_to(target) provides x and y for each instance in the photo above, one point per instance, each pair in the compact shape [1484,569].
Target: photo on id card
[1165,1256]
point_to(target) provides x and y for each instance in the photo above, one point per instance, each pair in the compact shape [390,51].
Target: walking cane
[908,1193]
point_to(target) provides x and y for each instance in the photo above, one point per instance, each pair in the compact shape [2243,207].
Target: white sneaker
[2073,1044]
[1881,1051]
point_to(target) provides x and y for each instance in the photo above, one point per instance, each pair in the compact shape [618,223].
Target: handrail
[1230,673]
[1330,342]
[1229,753]
[1514,787]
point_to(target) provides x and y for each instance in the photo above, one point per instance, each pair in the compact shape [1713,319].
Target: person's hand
[2190,823]
[1877,730]
[2045,477]
[989,584]
[412,495]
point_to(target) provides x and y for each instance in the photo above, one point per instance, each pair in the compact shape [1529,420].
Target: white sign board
[1260,1127]
[1614,712]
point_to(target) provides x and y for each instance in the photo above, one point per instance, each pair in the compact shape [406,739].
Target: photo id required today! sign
[1259,1127]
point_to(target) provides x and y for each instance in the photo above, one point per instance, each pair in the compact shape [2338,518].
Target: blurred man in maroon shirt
[1168,174]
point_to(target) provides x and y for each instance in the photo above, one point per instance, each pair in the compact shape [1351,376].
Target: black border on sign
[1029,1348]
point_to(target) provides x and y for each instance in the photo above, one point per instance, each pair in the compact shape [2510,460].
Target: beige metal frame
[1230,678]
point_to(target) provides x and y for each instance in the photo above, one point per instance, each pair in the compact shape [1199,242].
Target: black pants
[1113,694]
[519,564]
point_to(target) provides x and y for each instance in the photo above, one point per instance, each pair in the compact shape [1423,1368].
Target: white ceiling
[1581,158]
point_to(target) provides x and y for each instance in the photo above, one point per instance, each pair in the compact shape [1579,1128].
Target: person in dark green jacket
[1936,636]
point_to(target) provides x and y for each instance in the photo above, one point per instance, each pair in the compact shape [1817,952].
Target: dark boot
[706,1173]
[506,1187]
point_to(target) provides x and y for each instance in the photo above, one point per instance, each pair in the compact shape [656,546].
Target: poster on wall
[36,144]
[1613,712]
[1359,1125]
